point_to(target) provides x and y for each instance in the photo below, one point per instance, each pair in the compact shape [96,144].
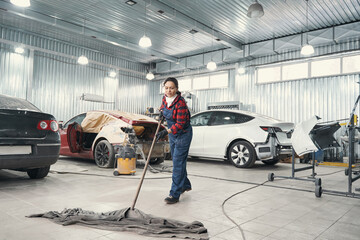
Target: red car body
[94,134]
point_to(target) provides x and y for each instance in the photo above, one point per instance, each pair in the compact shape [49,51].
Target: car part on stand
[318,188]
[352,160]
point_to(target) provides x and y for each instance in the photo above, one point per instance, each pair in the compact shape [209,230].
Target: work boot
[185,190]
[171,200]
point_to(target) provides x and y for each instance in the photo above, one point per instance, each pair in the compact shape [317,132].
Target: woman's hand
[161,134]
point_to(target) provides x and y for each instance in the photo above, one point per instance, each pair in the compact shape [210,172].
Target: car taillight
[54,126]
[271,129]
[48,125]
[266,129]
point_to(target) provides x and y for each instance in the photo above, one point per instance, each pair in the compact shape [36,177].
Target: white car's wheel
[241,154]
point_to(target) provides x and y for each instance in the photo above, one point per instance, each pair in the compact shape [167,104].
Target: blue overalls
[179,147]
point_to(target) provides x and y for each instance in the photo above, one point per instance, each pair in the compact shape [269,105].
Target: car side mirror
[61,124]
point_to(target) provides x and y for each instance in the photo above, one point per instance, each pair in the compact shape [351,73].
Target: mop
[130,218]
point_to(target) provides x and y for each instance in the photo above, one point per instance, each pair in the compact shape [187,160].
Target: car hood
[310,136]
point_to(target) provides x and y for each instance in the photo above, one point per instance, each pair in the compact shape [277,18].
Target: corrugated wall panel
[58,82]
[13,68]
[330,98]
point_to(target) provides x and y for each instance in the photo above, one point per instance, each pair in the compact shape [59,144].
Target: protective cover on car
[94,121]
[129,220]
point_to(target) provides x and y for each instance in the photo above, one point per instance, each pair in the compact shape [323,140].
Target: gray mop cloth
[129,220]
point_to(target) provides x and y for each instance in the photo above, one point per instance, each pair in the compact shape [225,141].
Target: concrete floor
[264,212]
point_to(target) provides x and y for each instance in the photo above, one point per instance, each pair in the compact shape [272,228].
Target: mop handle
[146,165]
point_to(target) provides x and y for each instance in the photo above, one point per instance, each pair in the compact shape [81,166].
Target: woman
[177,116]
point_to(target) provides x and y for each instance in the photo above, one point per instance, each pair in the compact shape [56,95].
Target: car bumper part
[39,155]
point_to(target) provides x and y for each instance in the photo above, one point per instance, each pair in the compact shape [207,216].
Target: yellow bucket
[126,161]
[125,166]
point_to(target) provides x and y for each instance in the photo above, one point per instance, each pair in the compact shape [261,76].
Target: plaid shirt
[181,114]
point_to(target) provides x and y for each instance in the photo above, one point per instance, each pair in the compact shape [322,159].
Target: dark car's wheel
[37,173]
[271,161]
[104,154]
[241,154]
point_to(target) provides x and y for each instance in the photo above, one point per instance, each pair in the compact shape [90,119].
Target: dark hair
[174,80]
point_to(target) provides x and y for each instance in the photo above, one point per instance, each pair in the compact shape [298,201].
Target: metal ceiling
[114,27]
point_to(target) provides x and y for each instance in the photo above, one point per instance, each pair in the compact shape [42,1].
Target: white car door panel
[197,142]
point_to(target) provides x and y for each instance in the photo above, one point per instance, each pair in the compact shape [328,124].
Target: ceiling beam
[174,15]
[75,28]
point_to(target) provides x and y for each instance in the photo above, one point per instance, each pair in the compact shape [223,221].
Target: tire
[241,154]
[271,177]
[104,154]
[318,182]
[271,162]
[318,191]
[156,160]
[37,173]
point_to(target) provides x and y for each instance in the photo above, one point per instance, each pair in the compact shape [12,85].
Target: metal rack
[349,171]
[312,178]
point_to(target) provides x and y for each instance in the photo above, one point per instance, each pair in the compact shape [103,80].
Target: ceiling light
[241,70]
[112,74]
[21,3]
[307,49]
[19,50]
[130,2]
[145,42]
[211,65]
[255,10]
[83,60]
[150,76]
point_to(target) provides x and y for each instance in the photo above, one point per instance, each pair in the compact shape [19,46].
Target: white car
[240,137]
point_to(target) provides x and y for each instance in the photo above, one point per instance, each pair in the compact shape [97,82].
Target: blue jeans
[179,146]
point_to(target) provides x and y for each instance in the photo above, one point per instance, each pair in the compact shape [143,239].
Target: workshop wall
[330,98]
[54,82]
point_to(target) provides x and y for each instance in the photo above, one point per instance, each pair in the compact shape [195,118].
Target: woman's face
[170,89]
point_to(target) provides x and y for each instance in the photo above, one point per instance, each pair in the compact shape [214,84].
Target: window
[184,84]
[268,74]
[224,118]
[201,82]
[295,71]
[78,119]
[351,64]
[200,119]
[219,80]
[13,103]
[326,67]
[316,67]
[162,89]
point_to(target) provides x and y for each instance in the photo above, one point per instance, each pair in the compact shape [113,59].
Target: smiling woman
[29,138]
